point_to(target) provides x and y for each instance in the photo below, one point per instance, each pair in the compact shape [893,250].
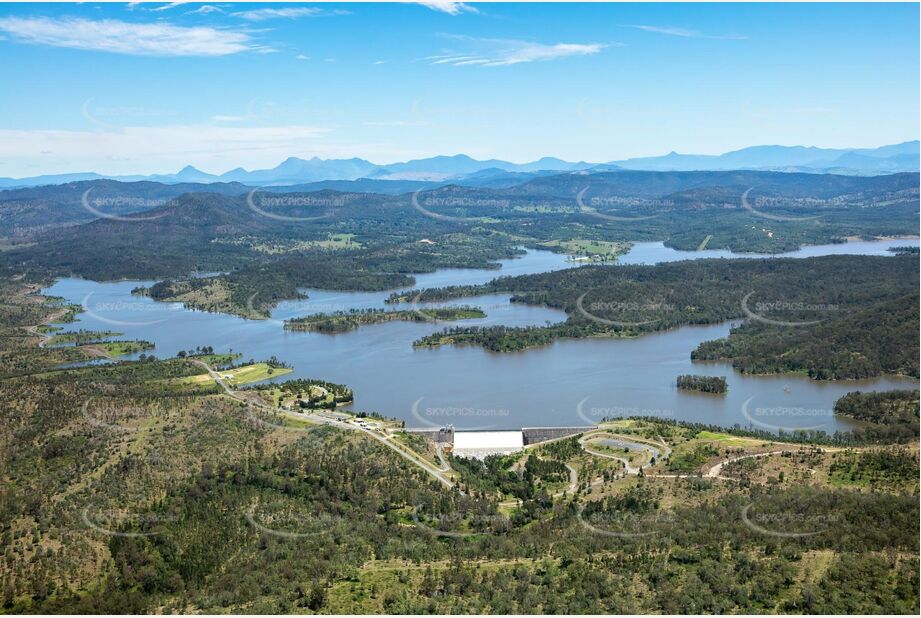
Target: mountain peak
[890,159]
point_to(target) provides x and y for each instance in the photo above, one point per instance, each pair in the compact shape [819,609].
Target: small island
[343,321]
[703,384]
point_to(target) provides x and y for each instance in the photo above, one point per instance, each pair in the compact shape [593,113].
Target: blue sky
[148,88]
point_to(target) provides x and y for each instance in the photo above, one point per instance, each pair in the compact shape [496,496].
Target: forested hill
[710,290]
[885,416]
[296,234]
[27,212]
[661,184]
[831,317]
[192,232]
[129,488]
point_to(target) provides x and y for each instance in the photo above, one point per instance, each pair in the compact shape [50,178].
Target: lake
[571,382]
[656,252]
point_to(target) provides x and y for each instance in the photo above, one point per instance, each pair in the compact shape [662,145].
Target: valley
[274,373]
[460,308]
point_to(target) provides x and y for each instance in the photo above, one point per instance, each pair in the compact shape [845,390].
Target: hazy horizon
[218,172]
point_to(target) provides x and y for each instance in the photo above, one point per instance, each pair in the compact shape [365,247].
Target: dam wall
[529,435]
[444,435]
[533,435]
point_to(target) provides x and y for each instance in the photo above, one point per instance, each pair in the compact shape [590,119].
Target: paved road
[325,420]
[714,472]
[658,451]
[49,319]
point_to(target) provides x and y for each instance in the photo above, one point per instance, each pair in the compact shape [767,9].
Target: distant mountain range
[891,159]
[462,169]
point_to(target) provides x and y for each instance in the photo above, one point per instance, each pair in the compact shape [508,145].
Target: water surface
[571,382]
[657,252]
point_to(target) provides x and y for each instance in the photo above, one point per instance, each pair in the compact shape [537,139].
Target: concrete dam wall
[533,435]
[529,435]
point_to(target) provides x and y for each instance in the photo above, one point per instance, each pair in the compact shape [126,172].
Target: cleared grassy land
[216,360]
[79,337]
[247,374]
[620,423]
[726,439]
[123,348]
[274,246]
[280,397]
[337,241]
[706,241]
[215,297]
[595,249]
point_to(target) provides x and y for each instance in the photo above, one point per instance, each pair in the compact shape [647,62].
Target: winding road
[657,451]
[438,474]
[715,471]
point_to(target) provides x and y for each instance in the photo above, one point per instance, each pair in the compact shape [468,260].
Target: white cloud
[170,5]
[688,33]
[447,6]
[302,57]
[141,39]
[285,13]
[504,52]
[205,9]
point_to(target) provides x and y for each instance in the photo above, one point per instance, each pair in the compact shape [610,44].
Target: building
[481,444]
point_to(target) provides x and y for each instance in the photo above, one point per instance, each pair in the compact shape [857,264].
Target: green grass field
[238,376]
[123,348]
[80,337]
[281,397]
[726,439]
[603,249]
